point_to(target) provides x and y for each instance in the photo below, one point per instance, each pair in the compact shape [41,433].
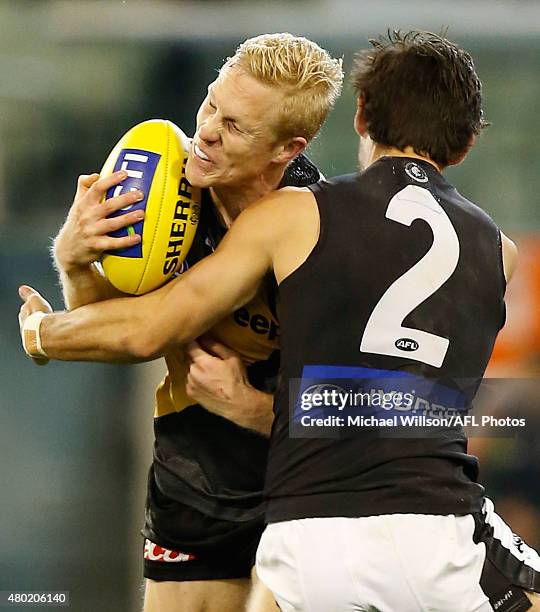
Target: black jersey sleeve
[301,172]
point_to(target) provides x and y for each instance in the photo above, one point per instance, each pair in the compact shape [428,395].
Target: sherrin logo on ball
[154,155]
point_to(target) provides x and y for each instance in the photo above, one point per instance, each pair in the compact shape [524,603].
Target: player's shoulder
[278,213]
[338,190]
[391,174]
[284,203]
[342,180]
[470,211]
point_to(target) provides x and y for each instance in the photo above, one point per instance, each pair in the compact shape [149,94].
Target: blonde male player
[204,511]
[364,262]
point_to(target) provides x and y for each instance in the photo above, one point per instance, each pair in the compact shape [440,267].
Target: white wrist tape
[30,335]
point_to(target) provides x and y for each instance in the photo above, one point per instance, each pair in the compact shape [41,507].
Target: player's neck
[379,151]
[231,200]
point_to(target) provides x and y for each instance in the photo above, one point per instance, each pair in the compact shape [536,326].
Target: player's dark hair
[419,90]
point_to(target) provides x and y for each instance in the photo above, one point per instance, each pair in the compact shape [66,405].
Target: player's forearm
[83,285]
[109,331]
[256,414]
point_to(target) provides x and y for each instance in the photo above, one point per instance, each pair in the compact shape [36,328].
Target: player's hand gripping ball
[154,155]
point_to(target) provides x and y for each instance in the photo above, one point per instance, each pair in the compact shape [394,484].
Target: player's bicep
[221,282]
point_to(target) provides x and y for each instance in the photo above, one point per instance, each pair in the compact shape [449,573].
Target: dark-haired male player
[386,273]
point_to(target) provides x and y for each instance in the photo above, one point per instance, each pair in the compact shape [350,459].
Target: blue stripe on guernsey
[326,391]
[141,166]
[328,371]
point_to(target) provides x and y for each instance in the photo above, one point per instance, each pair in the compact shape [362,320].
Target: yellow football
[154,154]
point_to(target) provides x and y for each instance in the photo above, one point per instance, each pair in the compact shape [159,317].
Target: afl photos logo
[416,173]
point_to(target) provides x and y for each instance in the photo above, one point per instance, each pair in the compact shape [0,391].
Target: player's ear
[457,159]
[290,149]
[359,119]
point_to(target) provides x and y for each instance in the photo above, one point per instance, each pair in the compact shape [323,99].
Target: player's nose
[210,130]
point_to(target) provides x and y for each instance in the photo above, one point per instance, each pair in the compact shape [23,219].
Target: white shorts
[396,563]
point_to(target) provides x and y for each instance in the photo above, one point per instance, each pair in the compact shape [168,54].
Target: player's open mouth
[200,153]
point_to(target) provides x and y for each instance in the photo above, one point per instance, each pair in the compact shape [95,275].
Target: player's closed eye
[233,127]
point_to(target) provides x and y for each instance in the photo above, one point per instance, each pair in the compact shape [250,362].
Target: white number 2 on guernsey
[384,333]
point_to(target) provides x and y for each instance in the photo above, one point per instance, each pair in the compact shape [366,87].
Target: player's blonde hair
[309,77]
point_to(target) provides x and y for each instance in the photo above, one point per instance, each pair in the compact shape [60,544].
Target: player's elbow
[151,331]
[142,346]
[154,339]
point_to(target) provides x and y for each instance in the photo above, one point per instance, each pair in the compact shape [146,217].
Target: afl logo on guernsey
[416,173]
[406,344]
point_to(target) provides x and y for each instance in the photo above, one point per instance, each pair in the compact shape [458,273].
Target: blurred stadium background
[75,439]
